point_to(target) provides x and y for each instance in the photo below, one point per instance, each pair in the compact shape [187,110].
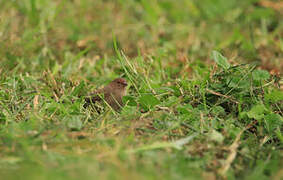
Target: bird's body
[112,94]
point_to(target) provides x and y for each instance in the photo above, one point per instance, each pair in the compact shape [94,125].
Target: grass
[191,112]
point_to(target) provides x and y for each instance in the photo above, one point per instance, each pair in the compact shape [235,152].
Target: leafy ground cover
[204,98]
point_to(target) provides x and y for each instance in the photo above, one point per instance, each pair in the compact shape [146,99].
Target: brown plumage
[112,93]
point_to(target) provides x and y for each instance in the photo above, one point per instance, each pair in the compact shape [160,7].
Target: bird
[111,93]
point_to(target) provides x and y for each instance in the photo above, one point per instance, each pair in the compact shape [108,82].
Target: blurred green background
[53,52]
[43,32]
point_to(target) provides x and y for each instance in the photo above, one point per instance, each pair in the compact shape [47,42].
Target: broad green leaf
[274,96]
[272,121]
[260,75]
[186,109]
[220,60]
[148,101]
[129,100]
[257,112]
[238,82]
[170,101]
[218,110]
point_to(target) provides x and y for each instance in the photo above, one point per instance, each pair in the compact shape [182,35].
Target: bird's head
[120,82]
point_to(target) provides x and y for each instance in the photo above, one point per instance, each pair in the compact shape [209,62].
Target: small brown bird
[112,94]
